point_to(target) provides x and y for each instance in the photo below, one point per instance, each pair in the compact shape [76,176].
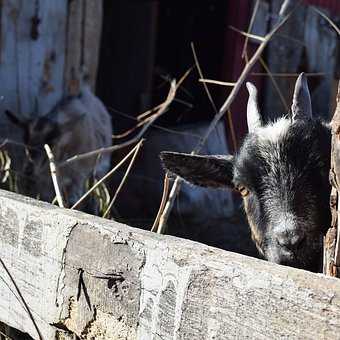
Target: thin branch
[275,84]
[250,27]
[169,204]
[162,205]
[146,113]
[22,299]
[138,146]
[201,76]
[332,23]
[149,112]
[54,176]
[232,130]
[155,126]
[161,110]
[288,75]
[217,82]
[104,178]
[248,67]
[248,35]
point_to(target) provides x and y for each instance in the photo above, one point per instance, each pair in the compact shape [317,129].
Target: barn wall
[307,43]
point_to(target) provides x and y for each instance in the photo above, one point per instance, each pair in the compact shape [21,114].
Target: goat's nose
[291,241]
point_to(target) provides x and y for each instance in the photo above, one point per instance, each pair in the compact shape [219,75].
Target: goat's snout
[289,240]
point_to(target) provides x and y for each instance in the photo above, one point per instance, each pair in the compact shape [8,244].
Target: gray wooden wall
[46,48]
[306,43]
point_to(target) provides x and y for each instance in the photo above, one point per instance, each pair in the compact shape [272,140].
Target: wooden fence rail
[103,280]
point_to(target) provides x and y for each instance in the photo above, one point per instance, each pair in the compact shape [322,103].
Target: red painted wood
[238,15]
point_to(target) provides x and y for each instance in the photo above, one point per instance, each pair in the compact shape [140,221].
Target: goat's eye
[243,191]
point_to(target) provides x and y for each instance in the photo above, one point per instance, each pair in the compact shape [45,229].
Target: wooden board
[103,280]
[307,43]
[32,55]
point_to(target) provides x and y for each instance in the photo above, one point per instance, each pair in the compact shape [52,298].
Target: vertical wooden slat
[321,42]
[284,55]
[92,33]
[332,239]
[84,24]
[32,55]
[74,48]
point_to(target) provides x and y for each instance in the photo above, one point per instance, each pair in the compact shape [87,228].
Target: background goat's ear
[14,119]
[205,171]
[70,123]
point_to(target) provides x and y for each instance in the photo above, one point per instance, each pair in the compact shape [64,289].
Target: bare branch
[54,175]
[253,16]
[288,75]
[275,84]
[232,129]
[201,76]
[248,35]
[217,82]
[332,23]
[161,110]
[162,205]
[104,178]
[137,148]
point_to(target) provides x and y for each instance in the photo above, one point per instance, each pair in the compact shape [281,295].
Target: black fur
[290,177]
[287,196]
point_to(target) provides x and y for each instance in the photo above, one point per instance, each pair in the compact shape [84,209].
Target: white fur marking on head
[273,132]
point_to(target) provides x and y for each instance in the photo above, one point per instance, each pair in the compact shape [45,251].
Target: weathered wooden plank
[104,280]
[92,35]
[32,55]
[83,41]
[74,47]
[321,42]
[284,55]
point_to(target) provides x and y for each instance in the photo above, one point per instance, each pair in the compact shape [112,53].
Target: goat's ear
[55,128]
[14,119]
[301,106]
[254,118]
[206,171]
[71,122]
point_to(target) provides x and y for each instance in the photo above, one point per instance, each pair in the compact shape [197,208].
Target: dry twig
[54,175]
[216,82]
[275,84]
[104,178]
[252,20]
[161,110]
[332,23]
[136,150]
[288,75]
[232,129]
[198,66]
[162,205]
[248,35]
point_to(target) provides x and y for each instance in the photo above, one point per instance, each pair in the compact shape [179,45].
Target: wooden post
[63,272]
[332,239]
